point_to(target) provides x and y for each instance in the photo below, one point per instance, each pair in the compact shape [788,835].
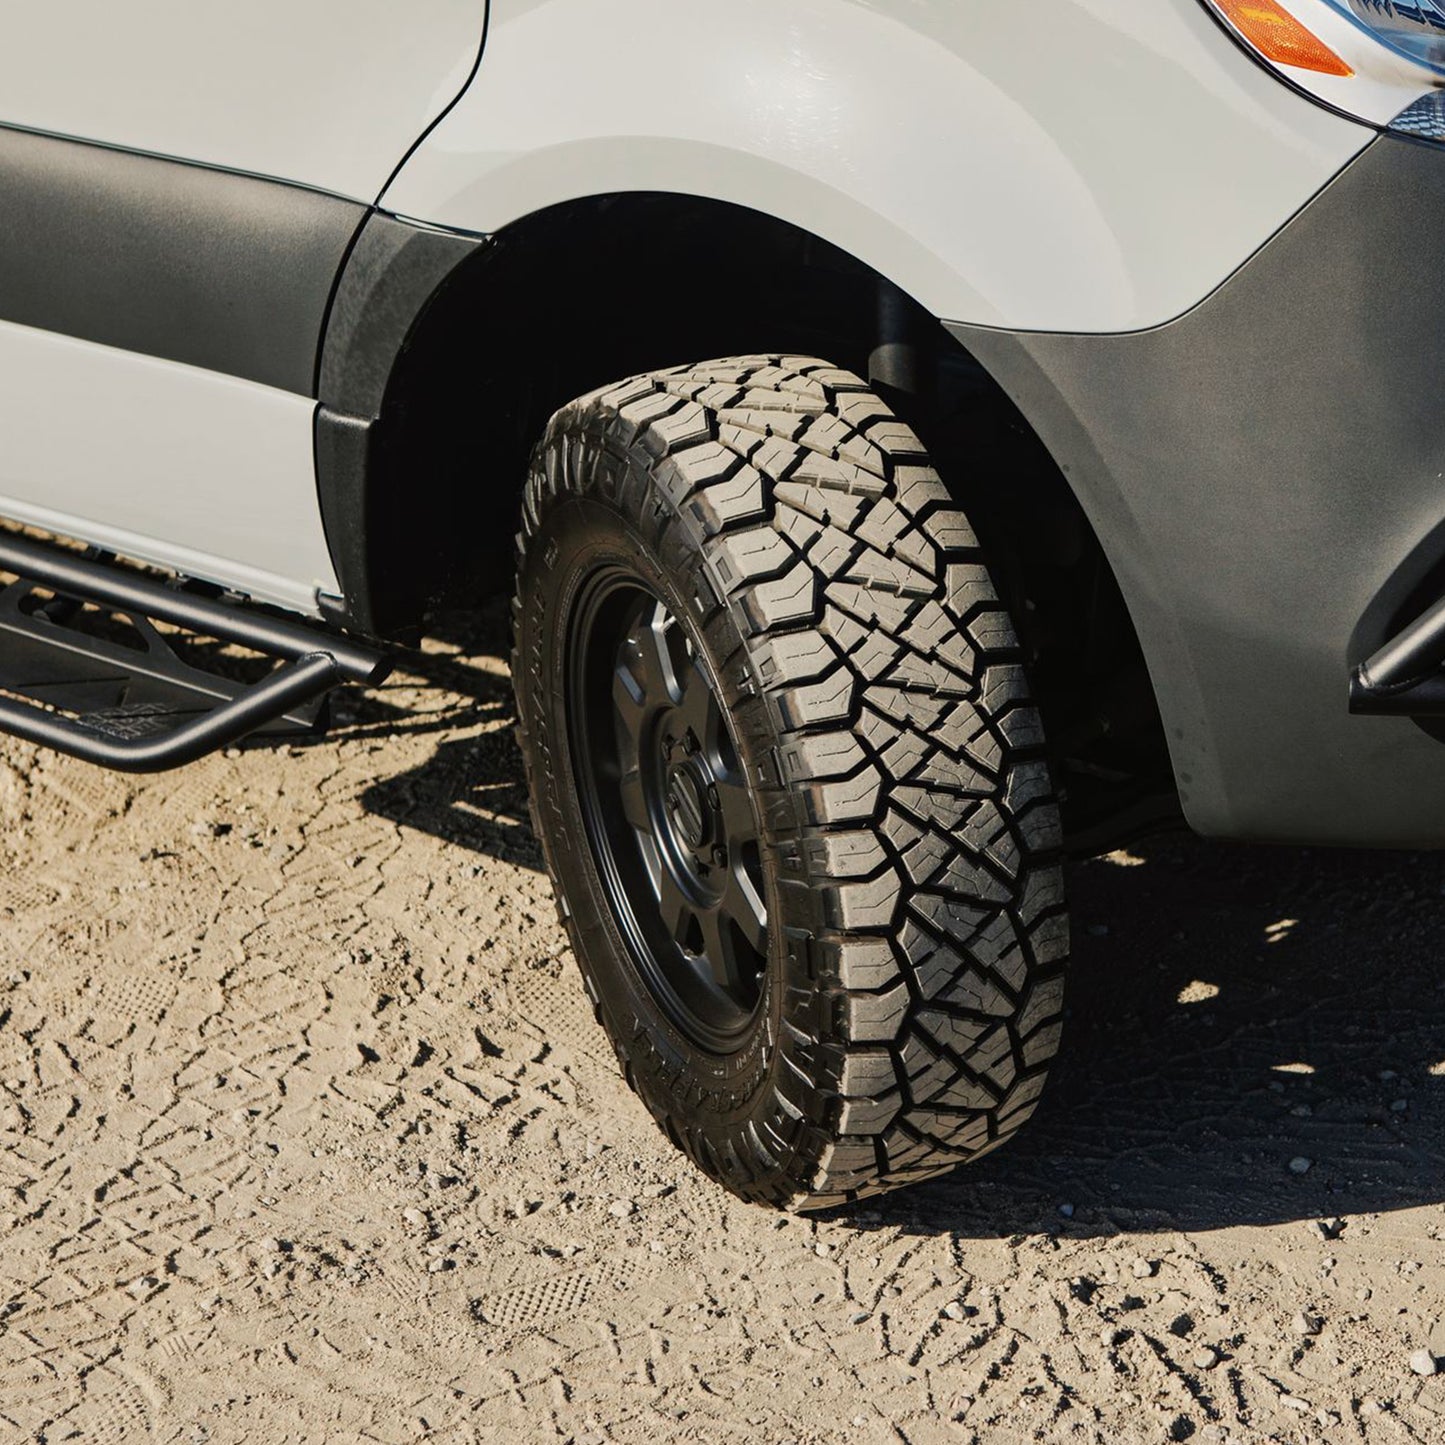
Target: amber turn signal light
[1279,37]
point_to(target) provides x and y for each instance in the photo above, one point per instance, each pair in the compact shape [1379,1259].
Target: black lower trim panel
[1265,476]
[219,270]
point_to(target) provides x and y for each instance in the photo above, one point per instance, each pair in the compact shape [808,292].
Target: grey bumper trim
[1265,475]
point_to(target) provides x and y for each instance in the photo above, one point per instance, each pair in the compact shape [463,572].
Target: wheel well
[596,290]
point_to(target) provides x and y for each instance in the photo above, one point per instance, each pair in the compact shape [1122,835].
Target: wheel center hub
[687,806]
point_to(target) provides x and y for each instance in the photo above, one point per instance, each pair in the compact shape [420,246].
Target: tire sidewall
[577,535]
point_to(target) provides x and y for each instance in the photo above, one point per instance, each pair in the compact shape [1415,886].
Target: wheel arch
[1100,169]
[436,340]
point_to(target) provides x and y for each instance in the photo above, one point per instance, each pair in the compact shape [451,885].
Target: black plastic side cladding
[212,268]
[393,273]
[343,467]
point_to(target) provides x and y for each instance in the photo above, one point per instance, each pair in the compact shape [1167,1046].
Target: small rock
[1097,930]
[1301,1111]
[414,1217]
[955,1311]
[1143,1268]
[1307,1324]
[1387,1076]
[1300,1165]
[436,1266]
[143,1286]
[861,1318]
[621,1208]
[1067,1210]
[1399,1106]
[1205,1359]
[1422,1362]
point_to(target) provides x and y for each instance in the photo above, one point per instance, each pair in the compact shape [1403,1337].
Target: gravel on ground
[307,1134]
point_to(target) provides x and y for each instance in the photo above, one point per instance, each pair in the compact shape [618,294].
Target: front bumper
[1267,477]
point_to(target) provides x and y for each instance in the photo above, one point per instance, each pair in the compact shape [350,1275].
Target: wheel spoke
[634,801]
[744,906]
[676,908]
[629,704]
[655,641]
[646,676]
[739,824]
[697,708]
[720,949]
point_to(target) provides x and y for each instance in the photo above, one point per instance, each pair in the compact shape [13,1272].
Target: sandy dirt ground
[306,1135]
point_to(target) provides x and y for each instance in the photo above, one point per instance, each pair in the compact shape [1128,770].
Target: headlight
[1380,61]
[1415,28]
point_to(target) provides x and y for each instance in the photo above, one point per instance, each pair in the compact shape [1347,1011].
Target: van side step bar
[134,698]
[1404,678]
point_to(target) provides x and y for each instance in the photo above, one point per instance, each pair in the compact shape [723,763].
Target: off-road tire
[873,682]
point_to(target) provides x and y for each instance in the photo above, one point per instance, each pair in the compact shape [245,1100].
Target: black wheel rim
[667,809]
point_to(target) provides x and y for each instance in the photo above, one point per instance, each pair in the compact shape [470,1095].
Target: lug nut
[720,856]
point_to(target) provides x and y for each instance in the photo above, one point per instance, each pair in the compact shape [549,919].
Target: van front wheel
[788,778]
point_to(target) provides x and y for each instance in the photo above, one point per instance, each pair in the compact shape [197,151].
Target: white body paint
[329,93]
[1077,165]
[162,462]
[1081,165]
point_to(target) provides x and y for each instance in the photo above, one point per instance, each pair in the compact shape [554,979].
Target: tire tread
[926,824]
